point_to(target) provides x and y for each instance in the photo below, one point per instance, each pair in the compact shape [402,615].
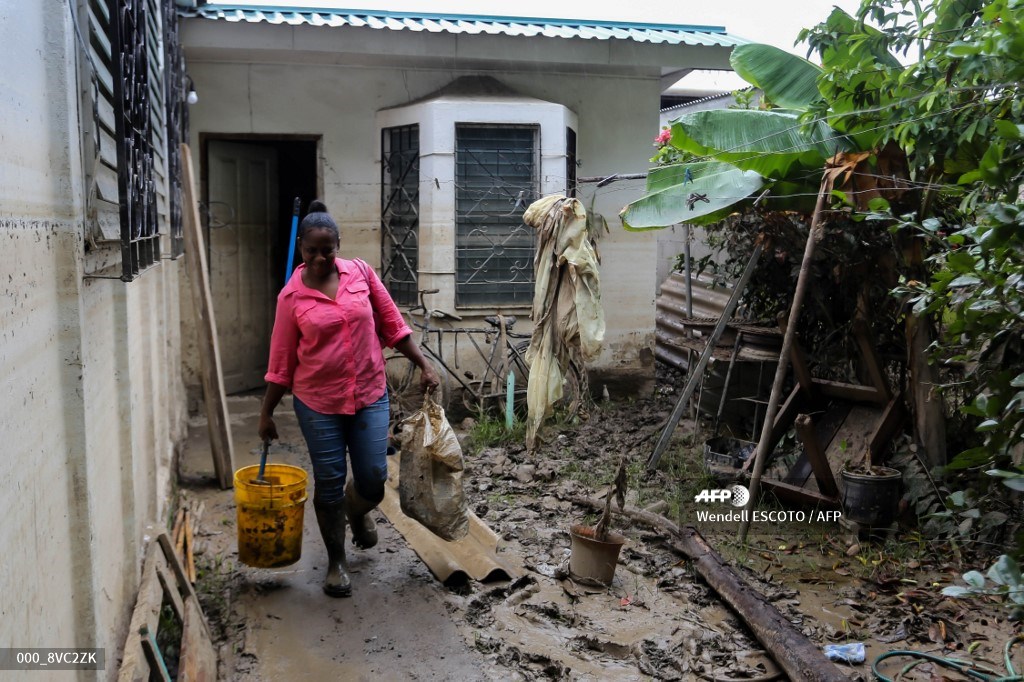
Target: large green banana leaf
[789,81]
[674,196]
[771,143]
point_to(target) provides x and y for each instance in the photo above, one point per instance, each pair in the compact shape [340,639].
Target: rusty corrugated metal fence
[679,335]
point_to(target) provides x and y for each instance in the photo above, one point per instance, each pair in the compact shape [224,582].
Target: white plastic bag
[430,473]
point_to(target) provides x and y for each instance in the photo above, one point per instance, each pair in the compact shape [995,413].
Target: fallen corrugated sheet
[474,557]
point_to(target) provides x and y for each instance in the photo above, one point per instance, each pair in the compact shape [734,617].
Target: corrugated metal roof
[702,100]
[668,34]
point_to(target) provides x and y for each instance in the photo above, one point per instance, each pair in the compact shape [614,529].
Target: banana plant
[700,193]
[738,153]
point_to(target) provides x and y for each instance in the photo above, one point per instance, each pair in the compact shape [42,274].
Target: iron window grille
[134,68]
[399,212]
[496,178]
[140,239]
[177,123]
[570,162]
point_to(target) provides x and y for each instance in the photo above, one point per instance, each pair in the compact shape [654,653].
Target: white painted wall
[616,115]
[91,405]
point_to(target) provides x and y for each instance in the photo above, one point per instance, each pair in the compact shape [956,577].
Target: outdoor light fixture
[190,88]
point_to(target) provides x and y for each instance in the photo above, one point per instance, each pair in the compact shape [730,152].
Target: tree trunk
[926,401]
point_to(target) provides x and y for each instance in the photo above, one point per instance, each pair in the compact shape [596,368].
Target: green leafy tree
[946,126]
[957,112]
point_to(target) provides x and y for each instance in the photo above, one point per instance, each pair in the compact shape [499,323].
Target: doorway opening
[249,185]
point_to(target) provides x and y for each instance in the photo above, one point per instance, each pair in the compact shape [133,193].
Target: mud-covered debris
[477,613]
[524,473]
[659,663]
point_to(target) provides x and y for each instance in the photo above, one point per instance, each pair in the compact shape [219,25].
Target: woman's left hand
[428,379]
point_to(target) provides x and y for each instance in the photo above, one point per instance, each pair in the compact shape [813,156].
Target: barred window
[495,180]
[134,70]
[176,108]
[399,213]
[570,162]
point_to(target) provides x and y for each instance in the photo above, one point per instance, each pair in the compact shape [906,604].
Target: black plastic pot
[872,499]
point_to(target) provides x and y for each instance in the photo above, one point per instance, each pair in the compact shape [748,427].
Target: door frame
[204,160]
[206,138]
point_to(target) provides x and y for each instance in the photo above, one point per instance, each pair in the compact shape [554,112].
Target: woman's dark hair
[318,218]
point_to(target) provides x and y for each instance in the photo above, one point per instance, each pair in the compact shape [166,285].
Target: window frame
[132,74]
[404,291]
[518,287]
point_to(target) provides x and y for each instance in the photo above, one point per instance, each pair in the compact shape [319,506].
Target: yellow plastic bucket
[270,515]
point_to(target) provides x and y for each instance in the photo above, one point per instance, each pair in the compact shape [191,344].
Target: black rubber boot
[364,530]
[331,518]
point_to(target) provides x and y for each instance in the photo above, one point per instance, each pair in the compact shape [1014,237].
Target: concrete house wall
[328,82]
[92,401]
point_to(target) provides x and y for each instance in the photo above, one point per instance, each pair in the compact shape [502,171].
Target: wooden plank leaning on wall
[209,351]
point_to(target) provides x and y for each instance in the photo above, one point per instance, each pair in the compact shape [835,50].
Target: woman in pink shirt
[332,318]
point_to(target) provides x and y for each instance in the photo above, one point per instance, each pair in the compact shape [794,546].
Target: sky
[775,22]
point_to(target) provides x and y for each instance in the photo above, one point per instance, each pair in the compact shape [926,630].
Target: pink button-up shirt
[329,352]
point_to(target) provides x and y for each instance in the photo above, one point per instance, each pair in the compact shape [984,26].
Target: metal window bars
[399,214]
[177,122]
[495,181]
[140,238]
[570,162]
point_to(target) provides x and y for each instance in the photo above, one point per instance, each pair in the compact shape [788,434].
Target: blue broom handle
[294,238]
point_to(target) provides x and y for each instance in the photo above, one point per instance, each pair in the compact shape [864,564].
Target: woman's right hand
[428,379]
[267,428]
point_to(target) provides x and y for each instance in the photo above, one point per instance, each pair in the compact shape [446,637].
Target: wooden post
[925,401]
[929,419]
[816,456]
[800,658]
[872,363]
[697,372]
[798,358]
[761,455]
[209,353]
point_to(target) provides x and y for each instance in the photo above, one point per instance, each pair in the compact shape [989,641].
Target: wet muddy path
[656,621]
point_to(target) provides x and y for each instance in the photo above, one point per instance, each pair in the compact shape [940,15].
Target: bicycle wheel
[470,399]
[479,391]
[403,380]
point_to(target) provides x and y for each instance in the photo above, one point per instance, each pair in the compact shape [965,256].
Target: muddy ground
[656,621]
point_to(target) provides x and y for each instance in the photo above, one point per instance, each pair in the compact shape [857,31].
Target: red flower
[663,137]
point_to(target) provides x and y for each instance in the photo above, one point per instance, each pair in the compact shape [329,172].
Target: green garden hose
[963,667]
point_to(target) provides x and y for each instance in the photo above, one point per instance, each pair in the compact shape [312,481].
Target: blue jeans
[365,436]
